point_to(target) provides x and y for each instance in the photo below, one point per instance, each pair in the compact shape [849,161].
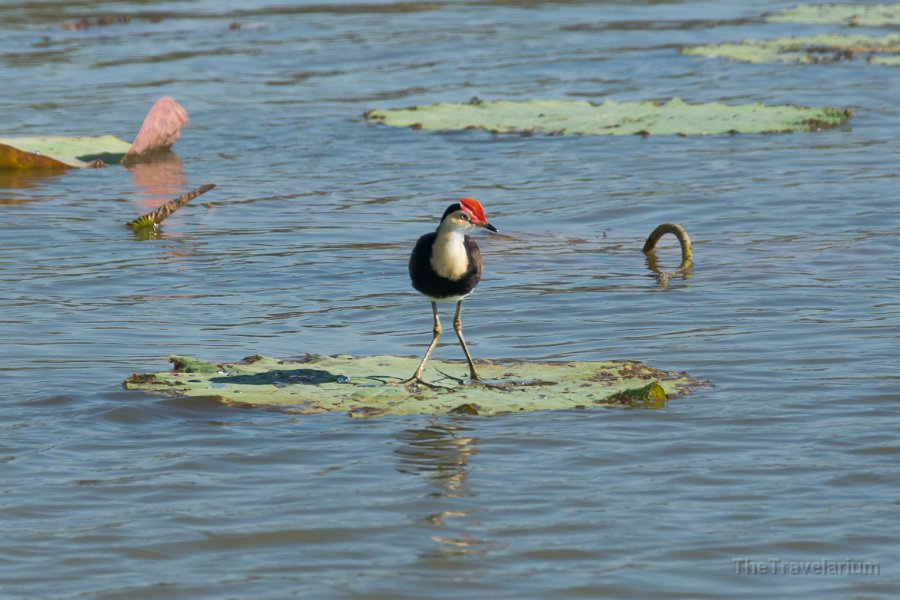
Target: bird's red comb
[475,210]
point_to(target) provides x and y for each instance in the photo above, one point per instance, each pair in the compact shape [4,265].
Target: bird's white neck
[449,258]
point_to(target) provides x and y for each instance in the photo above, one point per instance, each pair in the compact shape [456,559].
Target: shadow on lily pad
[280,377]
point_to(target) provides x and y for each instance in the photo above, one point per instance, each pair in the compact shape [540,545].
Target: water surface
[792,310]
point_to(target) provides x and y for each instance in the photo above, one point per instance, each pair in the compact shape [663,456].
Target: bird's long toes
[416,381]
[478,381]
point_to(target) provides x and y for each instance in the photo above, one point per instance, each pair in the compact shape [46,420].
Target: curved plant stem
[687,255]
[153,219]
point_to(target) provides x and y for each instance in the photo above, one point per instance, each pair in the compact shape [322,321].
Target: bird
[445,266]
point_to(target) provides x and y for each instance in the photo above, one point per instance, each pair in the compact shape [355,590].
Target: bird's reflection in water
[441,451]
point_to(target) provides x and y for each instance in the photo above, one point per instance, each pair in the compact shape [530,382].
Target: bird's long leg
[457,327]
[417,378]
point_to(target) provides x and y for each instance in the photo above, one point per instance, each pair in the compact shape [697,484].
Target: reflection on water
[159,179]
[442,452]
[663,276]
[792,311]
[11,179]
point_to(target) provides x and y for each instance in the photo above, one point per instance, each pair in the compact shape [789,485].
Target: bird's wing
[474,258]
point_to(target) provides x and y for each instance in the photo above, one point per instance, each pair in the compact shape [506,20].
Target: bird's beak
[490,227]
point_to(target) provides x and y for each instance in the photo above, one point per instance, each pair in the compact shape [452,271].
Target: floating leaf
[60,152]
[809,49]
[873,15]
[161,128]
[611,118]
[367,386]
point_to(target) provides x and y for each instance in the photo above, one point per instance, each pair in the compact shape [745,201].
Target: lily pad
[60,152]
[561,117]
[873,15]
[806,50]
[161,128]
[371,385]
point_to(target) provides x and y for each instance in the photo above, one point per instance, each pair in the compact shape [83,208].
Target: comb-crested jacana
[445,266]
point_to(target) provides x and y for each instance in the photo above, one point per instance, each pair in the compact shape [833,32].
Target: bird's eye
[463,216]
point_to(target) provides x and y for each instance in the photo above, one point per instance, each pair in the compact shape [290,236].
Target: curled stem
[687,256]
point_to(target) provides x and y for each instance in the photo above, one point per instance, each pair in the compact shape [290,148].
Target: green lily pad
[891,61]
[561,117]
[874,15]
[60,151]
[806,50]
[371,385]
[160,130]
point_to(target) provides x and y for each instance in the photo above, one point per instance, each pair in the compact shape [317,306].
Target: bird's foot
[474,379]
[416,381]
[458,380]
[478,381]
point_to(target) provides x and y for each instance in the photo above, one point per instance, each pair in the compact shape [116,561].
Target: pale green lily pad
[873,15]
[370,386]
[60,151]
[891,61]
[160,130]
[806,50]
[560,117]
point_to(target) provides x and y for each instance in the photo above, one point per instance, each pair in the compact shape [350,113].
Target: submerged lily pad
[368,386]
[873,15]
[560,117]
[808,49]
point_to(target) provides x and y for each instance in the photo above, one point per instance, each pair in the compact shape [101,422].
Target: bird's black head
[450,209]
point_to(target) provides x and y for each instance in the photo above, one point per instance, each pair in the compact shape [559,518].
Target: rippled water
[792,310]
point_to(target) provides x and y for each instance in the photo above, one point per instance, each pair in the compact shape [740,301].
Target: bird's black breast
[426,281]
